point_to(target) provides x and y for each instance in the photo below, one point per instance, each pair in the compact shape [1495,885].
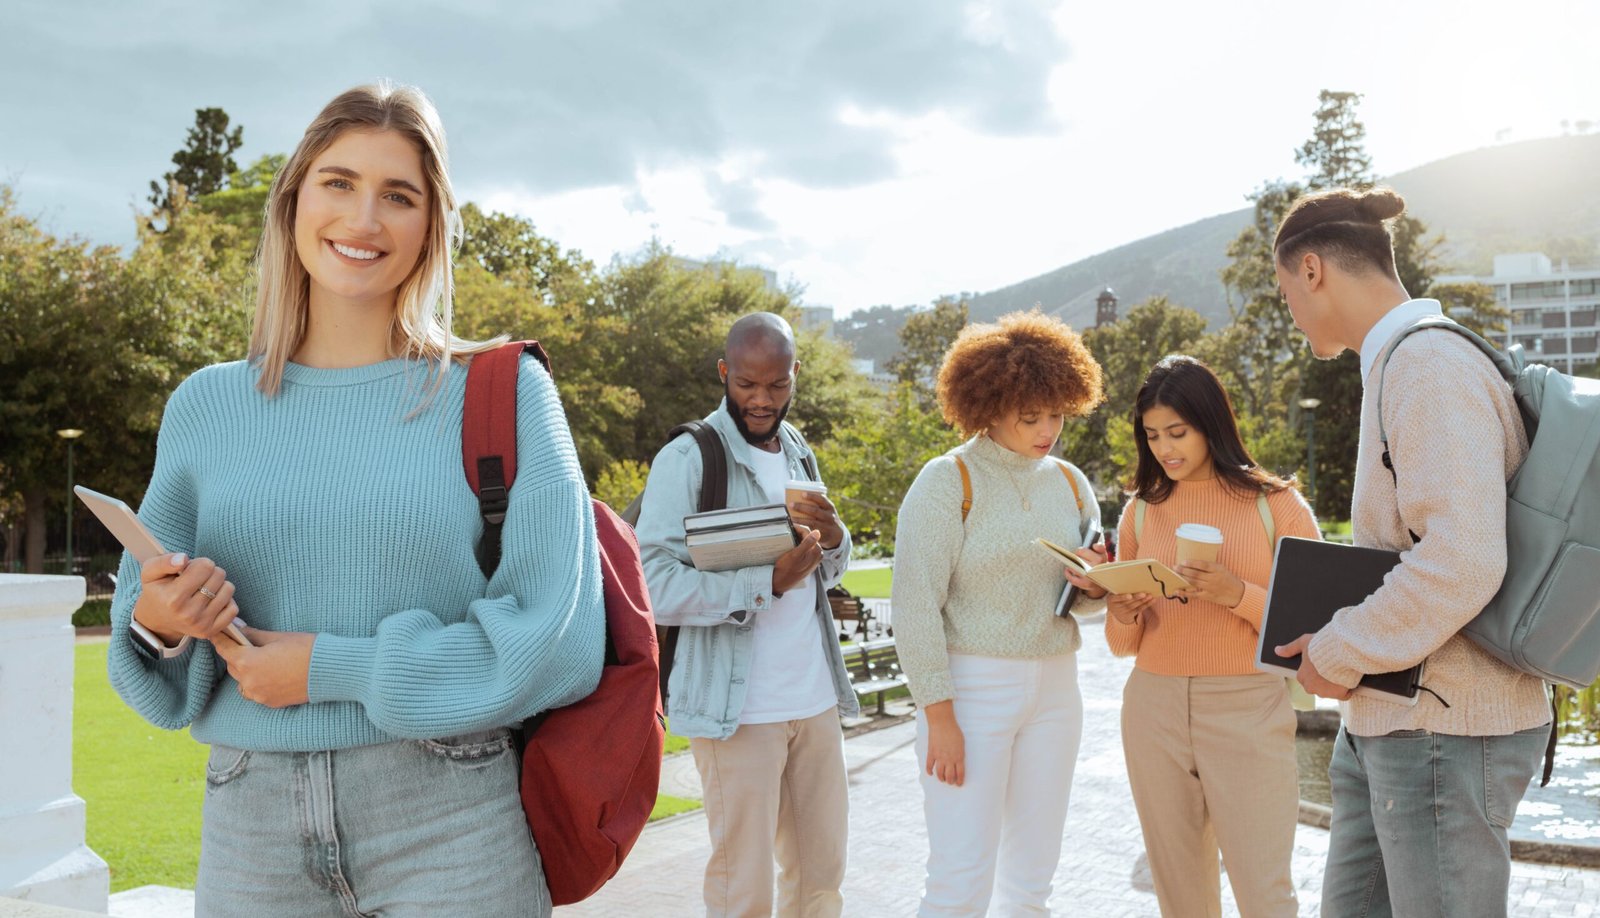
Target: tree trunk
[33,504]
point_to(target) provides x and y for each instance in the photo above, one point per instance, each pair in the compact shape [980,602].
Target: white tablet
[139,541]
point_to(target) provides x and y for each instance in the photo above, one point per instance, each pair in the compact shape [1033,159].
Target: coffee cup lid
[816,487]
[1199,532]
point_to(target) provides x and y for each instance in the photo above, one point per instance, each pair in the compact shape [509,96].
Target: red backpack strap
[489,437]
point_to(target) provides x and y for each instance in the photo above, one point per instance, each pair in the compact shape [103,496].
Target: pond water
[1567,811]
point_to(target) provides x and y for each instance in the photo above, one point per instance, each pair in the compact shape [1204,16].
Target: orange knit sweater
[1205,638]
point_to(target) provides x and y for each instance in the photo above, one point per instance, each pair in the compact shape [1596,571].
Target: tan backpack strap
[1138,519]
[1067,471]
[966,488]
[1266,519]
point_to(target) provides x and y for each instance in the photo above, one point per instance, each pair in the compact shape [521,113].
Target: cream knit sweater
[983,588]
[1455,438]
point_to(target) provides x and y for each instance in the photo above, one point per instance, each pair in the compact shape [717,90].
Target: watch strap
[151,645]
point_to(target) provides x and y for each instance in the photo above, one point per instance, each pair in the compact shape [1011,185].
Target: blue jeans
[395,830]
[1420,819]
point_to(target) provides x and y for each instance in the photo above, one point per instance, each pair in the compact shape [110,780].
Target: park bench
[874,668]
[848,608]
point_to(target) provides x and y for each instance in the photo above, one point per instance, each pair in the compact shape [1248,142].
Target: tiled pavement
[1101,873]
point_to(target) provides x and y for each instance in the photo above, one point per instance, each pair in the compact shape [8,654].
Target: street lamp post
[1310,405]
[70,435]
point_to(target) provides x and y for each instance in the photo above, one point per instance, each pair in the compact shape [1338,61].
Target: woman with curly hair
[993,671]
[1209,740]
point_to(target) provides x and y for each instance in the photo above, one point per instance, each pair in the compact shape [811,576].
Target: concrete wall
[43,857]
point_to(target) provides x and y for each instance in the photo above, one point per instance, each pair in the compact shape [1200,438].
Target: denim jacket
[716,610]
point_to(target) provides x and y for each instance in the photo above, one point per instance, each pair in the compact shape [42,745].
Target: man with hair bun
[1422,795]
[993,671]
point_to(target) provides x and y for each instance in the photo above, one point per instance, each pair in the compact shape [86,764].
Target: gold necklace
[1022,495]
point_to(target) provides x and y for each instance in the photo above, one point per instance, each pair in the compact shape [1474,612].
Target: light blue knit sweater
[334,513]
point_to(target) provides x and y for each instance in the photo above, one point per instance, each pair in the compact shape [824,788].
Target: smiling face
[1030,432]
[361,217]
[1176,444]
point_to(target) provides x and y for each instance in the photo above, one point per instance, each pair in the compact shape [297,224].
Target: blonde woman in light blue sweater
[360,760]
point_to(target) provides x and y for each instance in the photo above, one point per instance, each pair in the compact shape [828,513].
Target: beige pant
[776,789]
[1211,763]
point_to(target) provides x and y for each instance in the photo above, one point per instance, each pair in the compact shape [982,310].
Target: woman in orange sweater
[1208,739]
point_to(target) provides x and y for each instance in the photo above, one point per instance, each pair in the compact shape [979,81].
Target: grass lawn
[869,584]
[144,786]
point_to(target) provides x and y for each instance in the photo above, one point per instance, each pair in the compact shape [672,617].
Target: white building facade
[1554,309]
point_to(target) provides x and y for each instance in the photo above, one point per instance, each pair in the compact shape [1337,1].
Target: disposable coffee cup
[1198,542]
[796,490]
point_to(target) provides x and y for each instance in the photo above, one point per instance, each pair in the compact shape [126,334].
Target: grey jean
[402,829]
[1419,822]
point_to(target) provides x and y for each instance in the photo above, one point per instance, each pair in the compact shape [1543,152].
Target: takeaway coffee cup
[1197,542]
[797,490]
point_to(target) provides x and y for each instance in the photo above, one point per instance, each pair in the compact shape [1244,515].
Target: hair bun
[1380,204]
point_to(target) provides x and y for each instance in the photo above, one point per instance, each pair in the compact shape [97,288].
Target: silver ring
[208,593]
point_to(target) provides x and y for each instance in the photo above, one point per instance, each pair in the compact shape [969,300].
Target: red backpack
[589,770]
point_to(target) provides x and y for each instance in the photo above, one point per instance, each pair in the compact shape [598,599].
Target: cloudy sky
[872,151]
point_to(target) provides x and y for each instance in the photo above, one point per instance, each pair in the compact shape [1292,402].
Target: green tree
[872,458]
[92,341]
[205,162]
[511,248]
[1258,360]
[1336,152]
[1102,444]
[924,338]
[243,202]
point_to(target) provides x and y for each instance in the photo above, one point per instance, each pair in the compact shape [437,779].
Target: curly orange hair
[1026,361]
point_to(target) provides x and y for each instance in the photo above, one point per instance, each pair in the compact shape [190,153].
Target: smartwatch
[149,644]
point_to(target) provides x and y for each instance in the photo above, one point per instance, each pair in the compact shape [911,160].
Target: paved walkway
[1102,870]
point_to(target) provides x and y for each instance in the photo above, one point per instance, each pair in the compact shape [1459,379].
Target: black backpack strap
[713,463]
[713,496]
[808,459]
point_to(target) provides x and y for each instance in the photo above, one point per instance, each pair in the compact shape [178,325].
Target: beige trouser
[776,789]
[1211,763]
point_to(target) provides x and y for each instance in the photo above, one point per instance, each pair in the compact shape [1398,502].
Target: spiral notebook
[1311,580]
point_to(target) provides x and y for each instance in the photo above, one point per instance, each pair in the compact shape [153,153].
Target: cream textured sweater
[1455,439]
[983,588]
[1205,638]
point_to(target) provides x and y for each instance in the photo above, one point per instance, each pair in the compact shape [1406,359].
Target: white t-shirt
[789,677]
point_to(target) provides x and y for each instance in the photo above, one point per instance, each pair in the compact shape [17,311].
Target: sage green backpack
[1545,620]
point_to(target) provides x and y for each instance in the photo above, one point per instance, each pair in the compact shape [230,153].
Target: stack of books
[739,537]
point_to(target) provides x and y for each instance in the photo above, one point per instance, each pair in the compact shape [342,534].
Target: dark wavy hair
[1190,389]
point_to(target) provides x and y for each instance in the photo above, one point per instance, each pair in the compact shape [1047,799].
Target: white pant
[1021,722]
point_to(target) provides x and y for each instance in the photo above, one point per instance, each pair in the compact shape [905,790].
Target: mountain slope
[1534,195]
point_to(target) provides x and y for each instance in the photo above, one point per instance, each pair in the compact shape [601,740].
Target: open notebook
[1139,575]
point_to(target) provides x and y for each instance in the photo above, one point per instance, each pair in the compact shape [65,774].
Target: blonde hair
[423,308]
